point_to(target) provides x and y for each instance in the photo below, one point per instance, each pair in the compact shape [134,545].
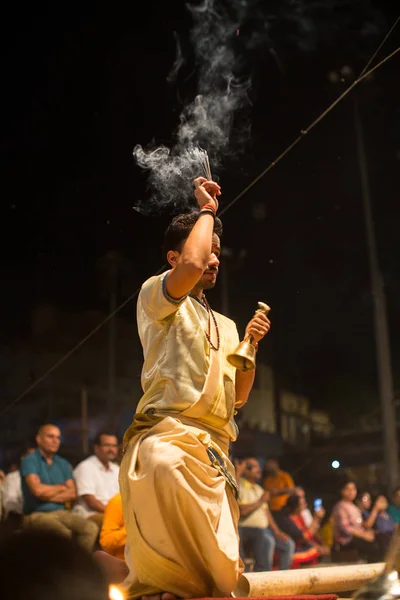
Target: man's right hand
[369,536]
[206,192]
[265,497]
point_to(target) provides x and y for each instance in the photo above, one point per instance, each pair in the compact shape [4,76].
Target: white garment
[307,517]
[92,477]
[12,494]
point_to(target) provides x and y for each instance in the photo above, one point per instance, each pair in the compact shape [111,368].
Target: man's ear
[172,257]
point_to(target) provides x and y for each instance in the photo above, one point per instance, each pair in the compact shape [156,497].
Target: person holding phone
[309,547]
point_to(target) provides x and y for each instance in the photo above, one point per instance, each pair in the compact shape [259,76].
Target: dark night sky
[82,86]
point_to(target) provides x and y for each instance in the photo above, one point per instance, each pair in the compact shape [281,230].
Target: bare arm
[248,509]
[272,523]
[257,327]
[281,491]
[93,503]
[68,494]
[243,386]
[42,491]
[196,252]
[316,522]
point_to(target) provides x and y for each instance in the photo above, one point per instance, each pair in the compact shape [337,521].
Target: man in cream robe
[177,483]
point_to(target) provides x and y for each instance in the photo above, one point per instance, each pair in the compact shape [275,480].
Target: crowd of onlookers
[44,491]
[277,528]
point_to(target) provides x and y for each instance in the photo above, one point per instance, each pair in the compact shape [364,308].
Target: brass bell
[244,357]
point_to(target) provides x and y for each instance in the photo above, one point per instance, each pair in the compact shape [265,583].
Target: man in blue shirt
[47,485]
[394,507]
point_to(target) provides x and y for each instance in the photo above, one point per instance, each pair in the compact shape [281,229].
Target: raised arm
[192,261]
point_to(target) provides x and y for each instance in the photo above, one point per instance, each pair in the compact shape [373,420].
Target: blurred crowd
[278,528]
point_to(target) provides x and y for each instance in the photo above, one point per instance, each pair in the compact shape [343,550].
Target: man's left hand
[258,327]
[282,537]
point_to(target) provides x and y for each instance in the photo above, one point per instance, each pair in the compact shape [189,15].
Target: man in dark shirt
[48,485]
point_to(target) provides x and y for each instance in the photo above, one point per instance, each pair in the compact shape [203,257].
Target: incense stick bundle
[200,156]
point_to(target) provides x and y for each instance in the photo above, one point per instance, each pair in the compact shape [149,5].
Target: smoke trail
[208,120]
[226,37]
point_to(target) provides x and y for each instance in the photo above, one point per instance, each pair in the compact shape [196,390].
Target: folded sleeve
[29,466]
[154,299]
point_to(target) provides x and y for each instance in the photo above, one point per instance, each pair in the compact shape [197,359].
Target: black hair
[292,503]
[179,229]
[53,566]
[97,439]
[27,445]
[345,480]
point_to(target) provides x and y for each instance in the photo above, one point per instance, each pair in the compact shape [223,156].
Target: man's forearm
[248,509]
[93,503]
[47,493]
[243,386]
[66,495]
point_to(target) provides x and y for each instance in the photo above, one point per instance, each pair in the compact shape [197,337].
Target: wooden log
[323,580]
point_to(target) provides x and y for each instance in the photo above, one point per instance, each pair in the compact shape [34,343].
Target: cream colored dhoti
[181,516]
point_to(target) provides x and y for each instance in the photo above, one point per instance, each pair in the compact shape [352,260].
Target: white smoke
[226,37]
[208,120]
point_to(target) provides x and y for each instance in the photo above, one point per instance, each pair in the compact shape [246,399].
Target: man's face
[301,494]
[396,498]
[107,450]
[253,470]
[271,466]
[49,439]
[209,278]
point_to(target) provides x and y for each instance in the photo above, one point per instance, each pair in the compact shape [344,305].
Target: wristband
[207,211]
[209,206]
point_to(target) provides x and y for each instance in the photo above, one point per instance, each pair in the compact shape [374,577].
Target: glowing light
[335,464]
[115,593]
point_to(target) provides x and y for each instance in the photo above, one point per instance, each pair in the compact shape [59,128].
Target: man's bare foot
[164,596]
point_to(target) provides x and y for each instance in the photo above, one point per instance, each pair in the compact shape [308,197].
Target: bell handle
[262,308]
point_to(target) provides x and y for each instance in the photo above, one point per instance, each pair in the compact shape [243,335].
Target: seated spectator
[348,530]
[47,485]
[13,501]
[42,565]
[278,483]
[309,548]
[96,478]
[2,477]
[394,507]
[257,528]
[306,512]
[377,518]
[113,532]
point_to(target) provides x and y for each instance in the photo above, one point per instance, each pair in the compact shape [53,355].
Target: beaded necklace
[204,303]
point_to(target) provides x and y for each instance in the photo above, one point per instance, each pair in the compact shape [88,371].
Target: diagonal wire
[72,351]
[383,42]
[304,132]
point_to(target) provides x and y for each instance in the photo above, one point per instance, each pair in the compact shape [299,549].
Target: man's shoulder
[285,475]
[30,459]
[87,464]
[247,485]
[152,281]
[62,462]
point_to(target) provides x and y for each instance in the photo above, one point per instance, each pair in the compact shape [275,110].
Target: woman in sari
[309,550]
